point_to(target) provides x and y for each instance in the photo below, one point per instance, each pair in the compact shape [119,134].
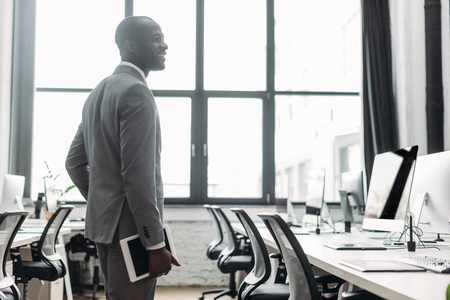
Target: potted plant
[53,179]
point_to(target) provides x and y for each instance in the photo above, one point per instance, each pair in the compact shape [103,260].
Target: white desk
[390,285]
[25,239]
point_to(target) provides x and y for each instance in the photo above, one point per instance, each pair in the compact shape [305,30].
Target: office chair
[80,244]
[302,282]
[47,264]
[215,246]
[252,287]
[231,259]
[10,223]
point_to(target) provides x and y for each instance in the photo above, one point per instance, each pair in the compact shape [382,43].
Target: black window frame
[199,99]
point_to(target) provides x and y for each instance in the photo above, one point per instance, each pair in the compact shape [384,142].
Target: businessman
[114,160]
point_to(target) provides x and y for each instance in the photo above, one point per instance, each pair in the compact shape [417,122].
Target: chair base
[215,291]
[221,293]
[230,291]
[94,287]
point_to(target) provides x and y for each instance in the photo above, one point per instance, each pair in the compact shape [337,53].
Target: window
[235,45]
[317,64]
[255,94]
[319,128]
[317,45]
[175,116]
[56,119]
[234,148]
[75,42]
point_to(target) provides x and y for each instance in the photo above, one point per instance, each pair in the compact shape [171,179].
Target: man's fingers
[160,263]
[175,262]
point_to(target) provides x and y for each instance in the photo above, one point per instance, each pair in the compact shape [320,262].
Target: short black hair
[130,29]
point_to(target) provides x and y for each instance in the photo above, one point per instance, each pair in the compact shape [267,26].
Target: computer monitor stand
[318,225]
[292,218]
[420,201]
[439,239]
[346,210]
[38,206]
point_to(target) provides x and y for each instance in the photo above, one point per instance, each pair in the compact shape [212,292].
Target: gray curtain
[379,109]
[22,91]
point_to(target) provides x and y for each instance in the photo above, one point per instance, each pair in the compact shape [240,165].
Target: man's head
[141,42]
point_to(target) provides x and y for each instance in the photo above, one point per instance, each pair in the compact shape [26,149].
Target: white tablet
[136,256]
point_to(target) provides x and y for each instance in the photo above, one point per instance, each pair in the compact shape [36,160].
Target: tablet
[354,246]
[136,256]
[380,266]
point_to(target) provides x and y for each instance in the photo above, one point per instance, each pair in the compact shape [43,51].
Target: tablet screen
[139,256]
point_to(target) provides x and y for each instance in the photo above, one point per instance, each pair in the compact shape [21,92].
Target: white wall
[6,19]
[409,67]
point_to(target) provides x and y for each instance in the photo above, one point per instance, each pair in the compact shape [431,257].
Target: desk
[390,285]
[25,239]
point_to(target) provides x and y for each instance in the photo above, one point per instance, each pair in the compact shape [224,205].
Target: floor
[163,293]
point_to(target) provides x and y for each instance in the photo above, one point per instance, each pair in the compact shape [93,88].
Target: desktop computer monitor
[389,190]
[352,196]
[51,194]
[352,183]
[432,177]
[314,196]
[13,187]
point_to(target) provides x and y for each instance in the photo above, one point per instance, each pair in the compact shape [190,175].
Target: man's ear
[130,46]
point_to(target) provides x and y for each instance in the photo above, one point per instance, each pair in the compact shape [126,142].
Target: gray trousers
[117,282]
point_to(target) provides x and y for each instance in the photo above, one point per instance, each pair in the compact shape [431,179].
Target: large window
[75,42]
[317,45]
[234,148]
[235,45]
[175,115]
[255,94]
[315,133]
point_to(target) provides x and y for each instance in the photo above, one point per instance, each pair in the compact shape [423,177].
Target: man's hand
[160,262]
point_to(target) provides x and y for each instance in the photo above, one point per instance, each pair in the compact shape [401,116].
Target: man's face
[151,50]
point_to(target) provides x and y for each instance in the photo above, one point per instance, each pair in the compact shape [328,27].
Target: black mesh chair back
[261,269]
[46,248]
[216,245]
[10,223]
[302,283]
[232,247]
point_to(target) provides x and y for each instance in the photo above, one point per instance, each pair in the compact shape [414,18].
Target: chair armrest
[281,274]
[276,255]
[18,272]
[359,295]
[326,280]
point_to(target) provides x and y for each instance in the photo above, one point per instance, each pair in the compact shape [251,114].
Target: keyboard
[434,264]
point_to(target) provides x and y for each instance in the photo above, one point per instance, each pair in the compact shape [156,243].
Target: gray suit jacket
[114,159]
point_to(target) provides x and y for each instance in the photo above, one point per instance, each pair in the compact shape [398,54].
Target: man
[114,160]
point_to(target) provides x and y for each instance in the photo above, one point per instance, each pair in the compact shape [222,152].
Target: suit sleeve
[139,147]
[77,163]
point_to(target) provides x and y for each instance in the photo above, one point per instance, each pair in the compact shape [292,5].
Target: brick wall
[191,238]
